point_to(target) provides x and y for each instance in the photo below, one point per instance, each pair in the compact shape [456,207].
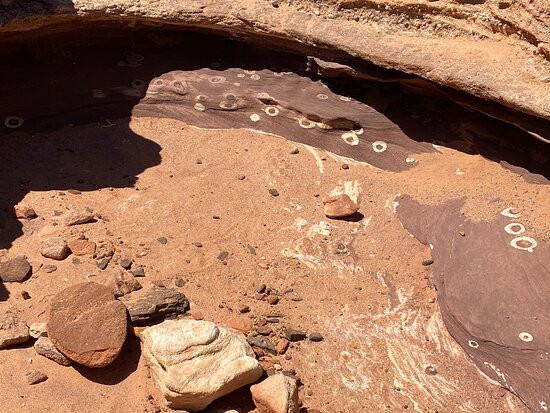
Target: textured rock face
[15,270]
[55,248]
[87,324]
[46,348]
[449,54]
[12,330]
[152,304]
[276,394]
[196,362]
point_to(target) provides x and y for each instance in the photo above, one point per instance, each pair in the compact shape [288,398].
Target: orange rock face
[340,206]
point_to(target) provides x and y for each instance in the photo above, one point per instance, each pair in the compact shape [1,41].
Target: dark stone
[25,295]
[102,264]
[294,335]
[316,337]
[15,270]
[126,263]
[427,262]
[261,289]
[162,240]
[263,343]
[430,370]
[222,256]
[154,304]
[345,166]
[273,192]
[198,244]
[180,282]
[139,272]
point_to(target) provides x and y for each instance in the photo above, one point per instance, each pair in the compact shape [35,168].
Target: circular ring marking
[278,74]
[249,72]
[255,77]
[345,99]
[200,107]
[138,84]
[350,138]
[523,336]
[358,131]
[379,146]
[271,111]
[524,243]
[515,228]
[510,212]
[473,343]
[323,126]
[322,96]
[306,123]
[200,98]
[228,105]
[13,122]
[254,117]
[179,86]
[410,160]
[241,75]
[159,82]
[217,79]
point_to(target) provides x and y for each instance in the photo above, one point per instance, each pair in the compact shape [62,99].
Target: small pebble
[199,162]
[180,282]
[215,217]
[35,377]
[294,151]
[316,337]
[273,192]
[139,272]
[74,191]
[345,166]
[261,289]
[462,233]
[197,244]
[427,262]
[251,249]
[430,370]
[294,335]
[126,263]
[222,256]
[241,177]
[162,240]
[103,263]
[25,295]
[244,309]
[272,299]
[49,268]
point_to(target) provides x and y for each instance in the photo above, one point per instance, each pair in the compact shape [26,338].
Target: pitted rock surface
[88,324]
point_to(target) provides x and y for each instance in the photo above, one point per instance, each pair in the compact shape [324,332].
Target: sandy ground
[360,284]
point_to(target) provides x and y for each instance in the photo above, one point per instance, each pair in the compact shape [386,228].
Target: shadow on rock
[124,365]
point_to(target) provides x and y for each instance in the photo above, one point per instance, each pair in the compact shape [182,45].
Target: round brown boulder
[340,206]
[88,324]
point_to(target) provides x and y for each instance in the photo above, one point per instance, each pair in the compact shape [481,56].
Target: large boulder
[88,324]
[196,362]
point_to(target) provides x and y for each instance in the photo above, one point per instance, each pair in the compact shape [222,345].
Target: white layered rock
[196,362]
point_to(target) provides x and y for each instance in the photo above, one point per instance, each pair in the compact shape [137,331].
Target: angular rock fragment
[263,343]
[124,283]
[88,324]
[12,330]
[81,246]
[15,270]
[196,362]
[46,348]
[24,212]
[35,377]
[38,330]
[79,217]
[340,206]
[154,304]
[54,248]
[276,394]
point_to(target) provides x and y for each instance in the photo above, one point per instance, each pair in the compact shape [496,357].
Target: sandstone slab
[15,270]
[196,362]
[79,217]
[88,324]
[82,246]
[152,304]
[276,394]
[12,330]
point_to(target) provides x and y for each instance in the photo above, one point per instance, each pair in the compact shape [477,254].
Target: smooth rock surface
[46,348]
[79,217]
[15,270]
[340,206]
[196,362]
[276,394]
[88,324]
[81,246]
[152,304]
[12,330]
